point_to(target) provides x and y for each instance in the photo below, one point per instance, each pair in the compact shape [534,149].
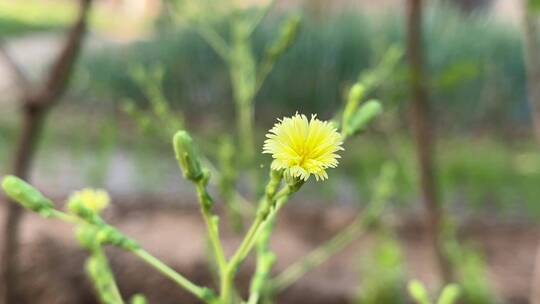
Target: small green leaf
[187,157]
[365,114]
[449,295]
[418,292]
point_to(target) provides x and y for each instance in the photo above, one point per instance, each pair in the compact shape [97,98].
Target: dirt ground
[52,263]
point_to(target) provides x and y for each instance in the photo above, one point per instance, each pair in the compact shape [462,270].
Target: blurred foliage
[475,173]
[468,265]
[476,82]
[383,274]
[21,17]
[449,295]
[37,16]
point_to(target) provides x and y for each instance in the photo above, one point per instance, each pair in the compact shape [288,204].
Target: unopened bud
[187,157]
[450,294]
[26,195]
[363,116]
[77,207]
[418,292]
[356,94]
[287,35]
[138,299]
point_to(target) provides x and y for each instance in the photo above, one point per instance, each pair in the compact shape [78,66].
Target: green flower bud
[79,208]
[289,31]
[98,270]
[188,159]
[138,299]
[449,295]
[26,195]
[362,117]
[418,292]
[356,94]
[86,235]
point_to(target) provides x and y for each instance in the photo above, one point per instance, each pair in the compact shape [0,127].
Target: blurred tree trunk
[531,51]
[421,128]
[531,55]
[35,103]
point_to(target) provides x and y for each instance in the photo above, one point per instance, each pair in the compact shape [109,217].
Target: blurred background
[477,62]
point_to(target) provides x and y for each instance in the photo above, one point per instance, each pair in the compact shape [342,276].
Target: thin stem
[103,279]
[268,206]
[65,217]
[216,42]
[211,225]
[265,261]
[260,16]
[202,293]
[318,256]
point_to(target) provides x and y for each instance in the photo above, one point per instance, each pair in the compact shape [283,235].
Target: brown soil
[52,262]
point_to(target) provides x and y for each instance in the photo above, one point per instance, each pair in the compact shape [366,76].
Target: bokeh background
[486,157]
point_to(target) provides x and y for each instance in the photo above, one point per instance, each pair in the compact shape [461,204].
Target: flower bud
[450,294]
[77,207]
[356,94]
[138,299]
[362,117]
[188,159]
[289,31]
[418,292]
[86,235]
[26,195]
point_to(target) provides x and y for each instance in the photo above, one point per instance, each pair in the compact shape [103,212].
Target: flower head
[303,147]
[93,199]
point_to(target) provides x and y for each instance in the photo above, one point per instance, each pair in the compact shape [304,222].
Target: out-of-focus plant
[159,120]
[383,276]
[35,102]
[246,74]
[247,77]
[450,294]
[469,267]
[532,63]
[162,122]
[300,147]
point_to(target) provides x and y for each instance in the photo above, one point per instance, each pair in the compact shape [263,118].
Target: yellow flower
[303,147]
[93,199]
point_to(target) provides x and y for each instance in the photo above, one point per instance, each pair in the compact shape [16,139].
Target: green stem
[202,293]
[318,256]
[212,225]
[265,261]
[103,278]
[68,218]
[260,16]
[216,42]
[244,125]
[269,204]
